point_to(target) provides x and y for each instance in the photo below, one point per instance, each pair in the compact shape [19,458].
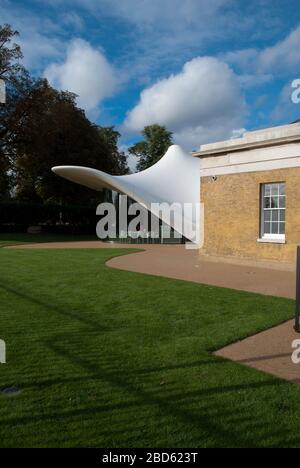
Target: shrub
[52,217]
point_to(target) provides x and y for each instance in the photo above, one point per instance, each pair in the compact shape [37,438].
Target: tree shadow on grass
[198,411]
[176,404]
[73,314]
[263,358]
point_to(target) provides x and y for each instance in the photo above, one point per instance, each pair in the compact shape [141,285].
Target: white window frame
[265,237]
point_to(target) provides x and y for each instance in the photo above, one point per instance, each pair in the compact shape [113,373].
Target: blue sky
[205,69]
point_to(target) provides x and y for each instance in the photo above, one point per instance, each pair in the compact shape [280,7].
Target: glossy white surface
[173,179]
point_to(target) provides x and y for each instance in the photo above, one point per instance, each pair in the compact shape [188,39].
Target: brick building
[250,188]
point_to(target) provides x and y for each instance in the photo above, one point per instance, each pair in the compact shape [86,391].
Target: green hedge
[28,214]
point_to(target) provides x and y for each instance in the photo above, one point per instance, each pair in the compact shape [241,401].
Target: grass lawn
[15,239]
[108,358]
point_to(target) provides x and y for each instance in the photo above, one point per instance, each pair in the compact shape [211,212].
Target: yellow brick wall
[232,215]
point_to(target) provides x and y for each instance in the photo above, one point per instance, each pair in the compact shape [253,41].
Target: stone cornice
[260,139]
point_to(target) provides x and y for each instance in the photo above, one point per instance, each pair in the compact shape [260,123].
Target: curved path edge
[269,351]
[175,261]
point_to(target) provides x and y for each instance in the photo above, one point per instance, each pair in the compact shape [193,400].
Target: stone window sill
[271,240]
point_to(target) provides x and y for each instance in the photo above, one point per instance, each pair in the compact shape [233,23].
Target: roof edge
[257,139]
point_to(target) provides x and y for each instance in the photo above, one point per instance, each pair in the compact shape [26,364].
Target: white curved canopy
[173,179]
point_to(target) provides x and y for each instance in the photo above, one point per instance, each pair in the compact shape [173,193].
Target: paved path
[269,351]
[175,261]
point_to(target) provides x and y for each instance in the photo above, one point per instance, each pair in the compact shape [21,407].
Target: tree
[41,127]
[10,54]
[153,147]
[17,81]
[118,158]
[56,132]
[4,178]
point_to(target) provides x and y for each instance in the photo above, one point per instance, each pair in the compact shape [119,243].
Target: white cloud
[165,33]
[243,59]
[38,49]
[282,57]
[85,72]
[141,12]
[248,81]
[72,19]
[200,104]
[167,12]
[38,35]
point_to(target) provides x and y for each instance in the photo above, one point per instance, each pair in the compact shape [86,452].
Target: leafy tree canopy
[41,127]
[17,80]
[10,54]
[157,139]
[55,132]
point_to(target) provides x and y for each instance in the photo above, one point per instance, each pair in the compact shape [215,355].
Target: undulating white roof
[173,179]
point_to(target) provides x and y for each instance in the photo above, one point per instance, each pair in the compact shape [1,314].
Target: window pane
[282,215]
[273,209]
[281,189]
[281,228]
[275,190]
[267,191]
[274,228]
[281,202]
[267,229]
